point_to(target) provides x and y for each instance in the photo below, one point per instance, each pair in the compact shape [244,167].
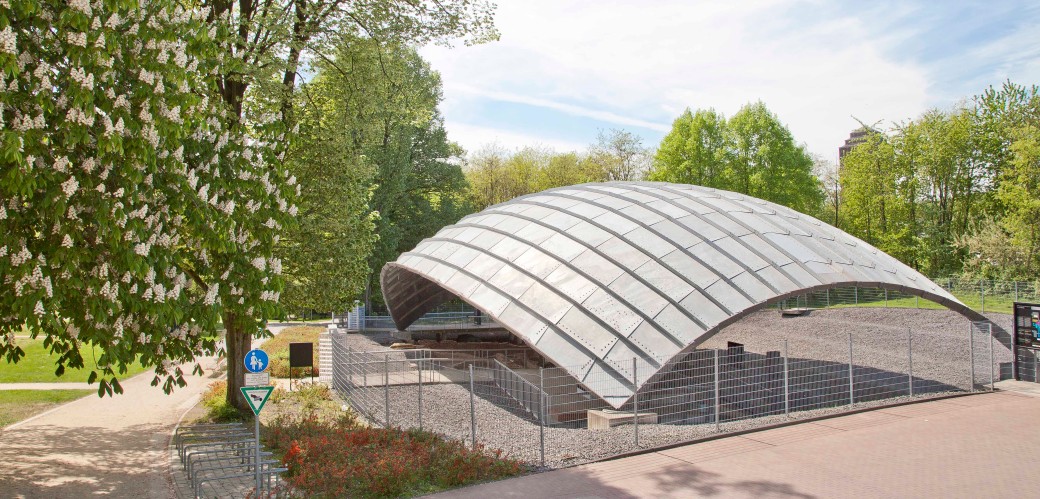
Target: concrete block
[602,419]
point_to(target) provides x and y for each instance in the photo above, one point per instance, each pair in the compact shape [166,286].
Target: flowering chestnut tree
[133,212]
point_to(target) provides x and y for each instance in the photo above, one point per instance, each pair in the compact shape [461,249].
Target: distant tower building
[857,137]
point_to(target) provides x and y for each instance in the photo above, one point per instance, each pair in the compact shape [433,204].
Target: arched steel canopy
[594,275]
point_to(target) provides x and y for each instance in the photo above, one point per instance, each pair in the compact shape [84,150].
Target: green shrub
[217,408]
[343,458]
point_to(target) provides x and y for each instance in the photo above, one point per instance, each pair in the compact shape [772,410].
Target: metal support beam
[910,360]
[717,415]
[386,389]
[787,386]
[971,355]
[635,400]
[472,411]
[852,383]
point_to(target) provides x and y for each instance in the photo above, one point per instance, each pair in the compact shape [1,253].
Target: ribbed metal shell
[594,275]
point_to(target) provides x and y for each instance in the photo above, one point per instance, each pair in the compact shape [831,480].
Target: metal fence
[980,295]
[512,400]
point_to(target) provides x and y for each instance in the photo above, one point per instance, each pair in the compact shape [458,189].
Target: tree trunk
[238,343]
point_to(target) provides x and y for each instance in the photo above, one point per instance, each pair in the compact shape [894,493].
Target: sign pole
[256,456]
[256,393]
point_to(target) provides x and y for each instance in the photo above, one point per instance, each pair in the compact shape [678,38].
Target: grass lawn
[38,366]
[998,304]
[16,405]
[277,349]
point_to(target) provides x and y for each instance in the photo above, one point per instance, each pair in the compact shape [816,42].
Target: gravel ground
[940,364]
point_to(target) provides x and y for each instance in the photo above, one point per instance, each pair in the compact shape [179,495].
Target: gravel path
[940,363]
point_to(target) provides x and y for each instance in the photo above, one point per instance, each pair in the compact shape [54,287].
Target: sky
[565,70]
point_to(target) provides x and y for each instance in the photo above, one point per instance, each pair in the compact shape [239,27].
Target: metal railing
[430,321]
[504,400]
[529,396]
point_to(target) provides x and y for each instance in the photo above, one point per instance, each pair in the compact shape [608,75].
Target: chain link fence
[511,399]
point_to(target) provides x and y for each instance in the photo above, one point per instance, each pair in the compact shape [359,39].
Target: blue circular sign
[256,361]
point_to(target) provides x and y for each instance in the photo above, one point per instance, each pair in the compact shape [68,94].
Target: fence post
[1016,291]
[855,291]
[886,298]
[349,372]
[717,416]
[917,302]
[472,411]
[635,400]
[992,381]
[971,354]
[386,387]
[787,386]
[541,426]
[982,292]
[910,360]
[420,359]
[852,391]
[828,297]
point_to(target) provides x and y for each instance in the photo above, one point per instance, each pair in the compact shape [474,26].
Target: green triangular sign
[256,396]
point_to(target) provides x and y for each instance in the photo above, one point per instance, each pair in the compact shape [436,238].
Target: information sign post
[256,362]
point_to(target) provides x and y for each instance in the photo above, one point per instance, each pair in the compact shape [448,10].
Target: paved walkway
[98,446]
[981,445]
[115,446]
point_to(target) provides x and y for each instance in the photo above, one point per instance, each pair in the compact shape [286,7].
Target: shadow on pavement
[51,461]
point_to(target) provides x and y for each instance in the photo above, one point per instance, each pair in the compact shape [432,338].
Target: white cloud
[640,64]
[571,109]
[473,137]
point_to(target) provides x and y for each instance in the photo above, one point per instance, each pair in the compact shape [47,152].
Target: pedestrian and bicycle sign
[256,397]
[256,361]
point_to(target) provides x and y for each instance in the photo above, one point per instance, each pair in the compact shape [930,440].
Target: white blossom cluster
[155,216]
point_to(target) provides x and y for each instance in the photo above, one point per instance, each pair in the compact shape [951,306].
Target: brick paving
[972,446]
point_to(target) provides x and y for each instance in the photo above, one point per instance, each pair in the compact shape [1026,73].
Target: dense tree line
[752,152]
[496,175]
[953,190]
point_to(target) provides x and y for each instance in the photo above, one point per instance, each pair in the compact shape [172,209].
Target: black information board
[1027,325]
[1026,335]
[301,355]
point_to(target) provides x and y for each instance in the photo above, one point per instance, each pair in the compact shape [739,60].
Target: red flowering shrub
[344,459]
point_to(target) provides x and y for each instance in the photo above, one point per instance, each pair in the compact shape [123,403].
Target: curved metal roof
[594,275]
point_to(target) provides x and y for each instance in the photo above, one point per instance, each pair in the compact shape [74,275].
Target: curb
[778,425]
